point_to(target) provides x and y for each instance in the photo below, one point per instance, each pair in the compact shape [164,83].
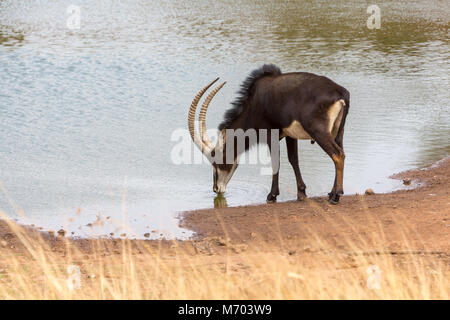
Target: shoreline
[180,216]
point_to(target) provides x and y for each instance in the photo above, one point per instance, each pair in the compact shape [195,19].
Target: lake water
[87,115]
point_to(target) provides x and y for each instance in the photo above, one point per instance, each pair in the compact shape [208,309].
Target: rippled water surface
[87,115]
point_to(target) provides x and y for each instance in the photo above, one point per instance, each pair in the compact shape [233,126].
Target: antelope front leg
[275,157]
[292,149]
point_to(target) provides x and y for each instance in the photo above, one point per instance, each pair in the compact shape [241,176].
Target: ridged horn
[191,118]
[202,116]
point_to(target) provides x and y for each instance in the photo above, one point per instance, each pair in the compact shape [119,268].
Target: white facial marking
[224,177]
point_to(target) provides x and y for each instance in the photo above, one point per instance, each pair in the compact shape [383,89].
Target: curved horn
[191,117]
[202,116]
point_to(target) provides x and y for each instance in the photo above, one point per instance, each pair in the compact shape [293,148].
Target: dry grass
[260,271]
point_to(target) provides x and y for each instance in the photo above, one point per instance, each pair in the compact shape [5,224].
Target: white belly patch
[335,112]
[296,131]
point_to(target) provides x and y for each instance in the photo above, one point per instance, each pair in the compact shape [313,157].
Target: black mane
[243,93]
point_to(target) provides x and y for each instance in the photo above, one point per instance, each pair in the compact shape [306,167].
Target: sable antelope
[300,105]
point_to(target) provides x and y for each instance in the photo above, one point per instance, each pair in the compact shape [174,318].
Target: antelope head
[222,171]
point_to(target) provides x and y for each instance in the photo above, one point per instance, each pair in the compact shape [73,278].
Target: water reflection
[10,38]
[220,202]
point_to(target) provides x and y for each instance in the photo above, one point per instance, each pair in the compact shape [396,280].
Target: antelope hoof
[271,198]
[301,196]
[333,197]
